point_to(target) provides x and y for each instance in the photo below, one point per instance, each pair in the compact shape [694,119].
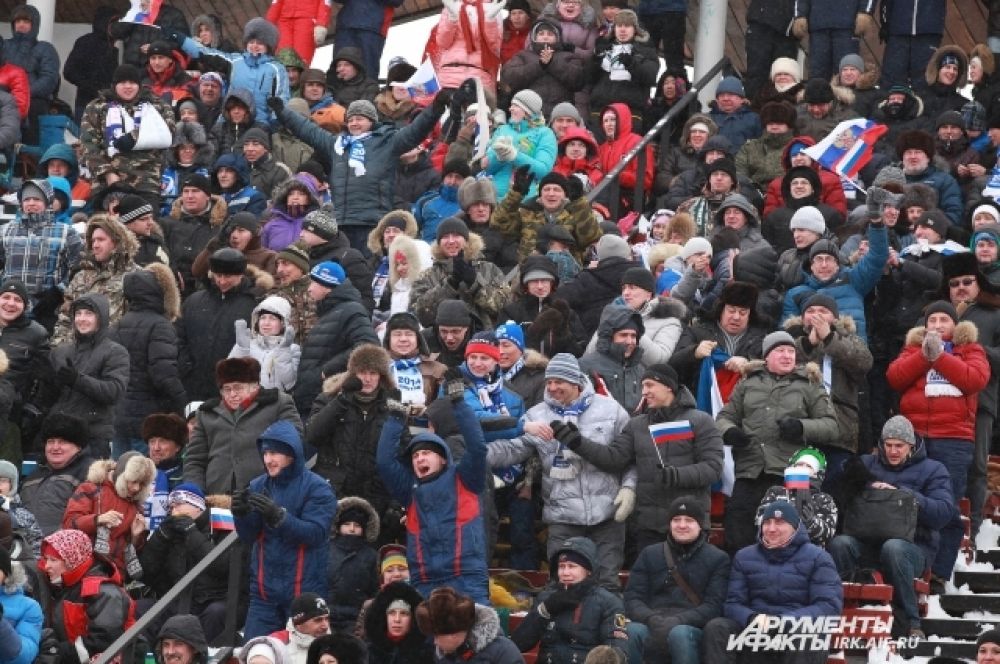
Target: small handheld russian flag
[796,478]
[222,519]
[670,432]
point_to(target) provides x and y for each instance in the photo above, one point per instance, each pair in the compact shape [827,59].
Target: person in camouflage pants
[112,155]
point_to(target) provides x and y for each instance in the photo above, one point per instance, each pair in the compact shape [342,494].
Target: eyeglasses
[962,281]
[235,388]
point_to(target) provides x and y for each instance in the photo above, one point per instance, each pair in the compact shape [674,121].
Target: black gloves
[560,601]
[462,271]
[174,36]
[454,384]
[272,513]
[790,429]
[124,143]
[566,433]
[626,60]
[352,384]
[275,104]
[67,374]
[669,475]
[736,437]
[464,95]
[522,179]
[441,100]
[240,506]
[574,188]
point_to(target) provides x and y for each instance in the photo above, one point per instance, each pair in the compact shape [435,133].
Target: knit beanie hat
[564,366]
[554,178]
[364,108]
[391,555]
[329,274]
[566,109]
[821,300]
[132,207]
[73,547]
[452,225]
[730,85]
[808,218]
[610,246]
[321,222]
[126,72]
[574,556]
[687,506]
[662,373]
[245,220]
[38,188]
[297,255]
[786,66]
[512,332]
[257,135]
[811,457]
[852,60]
[940,307]
[17,287]
[187,493]
[198,181]
[898,427]
[696,245]
[781,509]
[775,339]
[485,343]
[306,607]
[453,313]
[989,636]
[641,277]
[528,101]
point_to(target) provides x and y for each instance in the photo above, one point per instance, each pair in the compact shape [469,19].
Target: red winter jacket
[966,368]
[609,153]
[15,80]
[513,40]
[832,193]
[589,165]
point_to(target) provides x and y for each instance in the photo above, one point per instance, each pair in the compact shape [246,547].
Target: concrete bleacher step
[958,605]
[957,628]
[950,648]
[991,556]
[979,582]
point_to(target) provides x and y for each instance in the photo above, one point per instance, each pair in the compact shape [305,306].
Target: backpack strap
[682,583]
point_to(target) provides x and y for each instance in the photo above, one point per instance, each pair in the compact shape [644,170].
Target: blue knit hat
[732,85]
[188,493]
[781,509]
[329,274]
[512,332]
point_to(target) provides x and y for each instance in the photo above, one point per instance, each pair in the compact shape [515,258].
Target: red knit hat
[73,547]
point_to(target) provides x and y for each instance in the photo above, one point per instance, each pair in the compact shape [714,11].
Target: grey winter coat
[664,318]
[698,460]
[587,499]
[222,453]
[621,375]
[760,400]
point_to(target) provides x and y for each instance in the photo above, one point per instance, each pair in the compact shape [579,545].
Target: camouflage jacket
[521,221]
[303,307]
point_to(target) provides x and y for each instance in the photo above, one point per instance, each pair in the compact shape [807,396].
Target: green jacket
[760,158]
[522,222]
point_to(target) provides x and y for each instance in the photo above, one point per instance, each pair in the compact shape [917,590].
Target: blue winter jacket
[513,401]
[849,286]
[739,126]
[262,75]
[926,479]
[38,58]
[445,537]
[434,206]
[536,147]
[21,625]
[654,7]
[65,153]
[244,197]
[915,17]
[832,15]
[798,579]
[367,15]
[293,558]
[948,191]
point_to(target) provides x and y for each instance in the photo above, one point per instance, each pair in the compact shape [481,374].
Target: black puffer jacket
[94,58]
[172,550]
[38,59]
[185,235]
[593,289]
[154,384]
[775,228]
[353,570]
[355,266]
[359,87]
[206,332]
[343,323]
[414,648]
[26,344]
[103,367]
[135,35]
[550,325]
[642,69]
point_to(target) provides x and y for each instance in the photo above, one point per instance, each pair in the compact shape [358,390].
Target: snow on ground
[986,538]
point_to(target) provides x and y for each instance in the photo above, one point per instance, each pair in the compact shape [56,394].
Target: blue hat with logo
[512,332]
[328,273]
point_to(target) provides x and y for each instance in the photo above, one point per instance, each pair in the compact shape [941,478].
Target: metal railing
[639,150]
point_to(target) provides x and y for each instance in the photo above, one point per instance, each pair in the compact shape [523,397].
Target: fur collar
[966,332]
[535,360]
[666,307]
[473,249]
[845,324]
[810,370]
[354,502]
[486,629]
[217,211]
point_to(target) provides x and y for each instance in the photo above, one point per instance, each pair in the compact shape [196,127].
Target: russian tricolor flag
[222,519]
[423,83]
[847,148]
[796,478]
[669,432]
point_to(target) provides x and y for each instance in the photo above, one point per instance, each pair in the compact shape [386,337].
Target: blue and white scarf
[409,380]
[937,385]
[355,148]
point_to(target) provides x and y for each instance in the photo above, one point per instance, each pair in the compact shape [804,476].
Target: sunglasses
[964,281]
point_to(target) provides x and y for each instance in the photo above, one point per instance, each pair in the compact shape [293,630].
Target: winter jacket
[135,35]
[777,225]
[798,580]
[414,648]
[688,367]
[612,151]
[653,597]
[760,400]
[261,74]
[281,227]
[147,333]
[521,220]
[818,513]
[352,574]
[909,116]
[445,536]
[912,17]
[607,364]
[760,158]
[850,361]
[629,85]
[14,81]
[831,191]
[291,558]
[174,174]
[949,193]
[775,15]
[26,344]
[849,285]
[529,381]
[38,58]
[550,325]
[227,136]
[512,402]
[413,180]
[665,319]
[206,332]
[186,234]
[587,167]
[21,628]
[361,86]
[278,355]
[555,82]
[243,197]
[593,289]
[965,367]
[366,15]
[697,458]
[267,174]
[222,452]
[359,273]
[536,148]
[484,298]
[930,484]
[362,194]
[433,207]
[91,63]
[103,367]
[91,606]
[46,492]
[172,550]
[739,126]
[586,498]
[486,643]
[567,637]
[344,431]
[457,59]
[342,325]
[818,128]
[672,160]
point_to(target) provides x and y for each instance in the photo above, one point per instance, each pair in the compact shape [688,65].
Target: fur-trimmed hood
[137,469]
[375,617]
[217,211]
[274,304]
[931,73]
[17,579]
[810,370]
[408,246]
[301,181]
[473,249]
[153,287]
[213,23]
[355,502]
[985,55]
[665,307]
[841,93]
[126,244]
[703,118]
[486,629]
[257,280]
[535,360]
[845,325]
[866,81]
[191,132]
[966,332]
[375,236]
